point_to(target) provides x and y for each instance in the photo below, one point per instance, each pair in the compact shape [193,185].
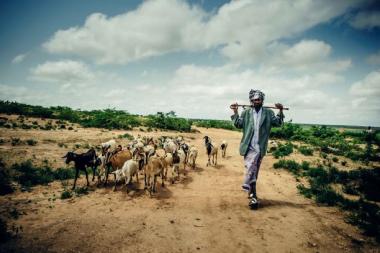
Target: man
[256,123]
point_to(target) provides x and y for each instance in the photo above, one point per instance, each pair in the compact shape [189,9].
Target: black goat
[81,161]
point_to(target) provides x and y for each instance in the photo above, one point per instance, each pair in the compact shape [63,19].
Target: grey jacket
[245,121]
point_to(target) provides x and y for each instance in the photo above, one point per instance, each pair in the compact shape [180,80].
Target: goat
[212,151]
[193,153]
[152,169]
[108,146]
[223,147]
[81,161]
[129,169]
[116,161]
[179,158]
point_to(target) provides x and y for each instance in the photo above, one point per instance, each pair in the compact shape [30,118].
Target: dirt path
[205,211]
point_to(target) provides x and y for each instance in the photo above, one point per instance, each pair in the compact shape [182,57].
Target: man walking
[256,123]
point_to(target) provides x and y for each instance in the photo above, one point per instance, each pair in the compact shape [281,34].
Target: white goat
[129,169]
[223,147]
[193,153]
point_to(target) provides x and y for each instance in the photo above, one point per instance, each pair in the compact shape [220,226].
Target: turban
[255,94]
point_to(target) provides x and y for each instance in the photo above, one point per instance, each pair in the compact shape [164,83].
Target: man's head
[256,98]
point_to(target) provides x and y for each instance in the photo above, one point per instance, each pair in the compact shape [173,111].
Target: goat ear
[64,156]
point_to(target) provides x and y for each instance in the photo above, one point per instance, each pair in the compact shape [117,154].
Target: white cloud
[374,58]
[368,87]
[19,58]
[242,29]
[366,20]
[64,71]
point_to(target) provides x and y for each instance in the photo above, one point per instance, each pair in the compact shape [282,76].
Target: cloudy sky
[320,58]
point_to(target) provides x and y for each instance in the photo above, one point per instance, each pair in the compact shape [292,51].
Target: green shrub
[66,194]
[81,191]
[28,175]
[5,180]
[31,142]
[343,163]
[335,159]
[4,233]
[289,165]
[283,150]
[305,150]
[15,141]
[64,173]
[126,136]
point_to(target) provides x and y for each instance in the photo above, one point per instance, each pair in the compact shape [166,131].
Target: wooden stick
[244,106]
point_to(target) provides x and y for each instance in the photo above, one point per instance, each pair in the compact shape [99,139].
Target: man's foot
[253,204]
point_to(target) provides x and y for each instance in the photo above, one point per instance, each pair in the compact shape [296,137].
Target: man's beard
[257,107]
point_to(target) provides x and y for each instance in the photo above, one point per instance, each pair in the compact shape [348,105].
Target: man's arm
[277,120]
[238,121]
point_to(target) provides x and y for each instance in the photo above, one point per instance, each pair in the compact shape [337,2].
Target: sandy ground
[205,211]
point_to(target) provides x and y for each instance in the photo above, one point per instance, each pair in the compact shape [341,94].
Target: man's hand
[279,106]
[234,108]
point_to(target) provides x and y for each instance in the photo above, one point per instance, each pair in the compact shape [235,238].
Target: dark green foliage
[362,182]
[367,217]
[64,173]
[335,159]
[28,175]
[223,124]
[81,191]
[290,165]
[66,194]
[126,136]
[110,119]
[4,233]
[168,122]
[31,142]
[343,163]
[283,150]
[305,150]
[15,141]
[5,180]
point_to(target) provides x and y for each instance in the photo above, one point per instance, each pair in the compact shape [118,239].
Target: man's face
[257,102]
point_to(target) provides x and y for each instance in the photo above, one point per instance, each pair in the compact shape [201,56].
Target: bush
[81,191]
[335,159]
[4,233]
[283,150]
[305,150]
[15,141]
[64,173]
[5,180]
[126,136]
[66,194]
[168,121]
[28,175]
[290,165]
[31,142]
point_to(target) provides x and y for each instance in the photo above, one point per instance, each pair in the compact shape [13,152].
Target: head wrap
[255,94]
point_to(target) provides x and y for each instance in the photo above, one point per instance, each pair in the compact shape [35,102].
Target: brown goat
[152,169]
[117,161]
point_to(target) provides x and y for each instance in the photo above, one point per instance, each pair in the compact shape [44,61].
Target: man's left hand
[279,106]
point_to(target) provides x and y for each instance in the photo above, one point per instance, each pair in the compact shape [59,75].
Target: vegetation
[224,124]
[362,182]
[108,118]
[283,150]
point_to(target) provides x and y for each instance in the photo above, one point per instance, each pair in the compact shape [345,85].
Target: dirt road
[206,211]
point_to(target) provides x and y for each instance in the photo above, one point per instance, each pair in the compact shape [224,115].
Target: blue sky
[320,58]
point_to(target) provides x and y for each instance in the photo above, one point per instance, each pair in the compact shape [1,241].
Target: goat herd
[161,157]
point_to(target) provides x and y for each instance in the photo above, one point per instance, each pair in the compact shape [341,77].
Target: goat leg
[76,176]
[85,170]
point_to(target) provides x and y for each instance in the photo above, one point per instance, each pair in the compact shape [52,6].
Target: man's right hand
[234,108]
